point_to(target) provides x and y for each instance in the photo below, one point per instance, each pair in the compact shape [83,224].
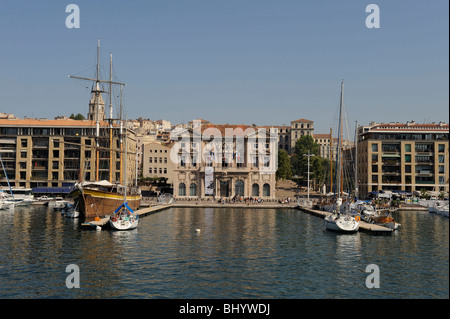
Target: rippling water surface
[238,253]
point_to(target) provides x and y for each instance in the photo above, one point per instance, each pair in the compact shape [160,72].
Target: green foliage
[424,194]
[77,117]
[284,170]
[299,162]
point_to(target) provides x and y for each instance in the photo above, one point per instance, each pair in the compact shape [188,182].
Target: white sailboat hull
[72,214]
[122,224]
[341,223]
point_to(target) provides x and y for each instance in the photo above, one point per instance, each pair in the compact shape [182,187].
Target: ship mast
[339,151]
[110,118]
[97,92]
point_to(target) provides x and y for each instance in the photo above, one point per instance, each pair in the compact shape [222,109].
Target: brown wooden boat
[101,199]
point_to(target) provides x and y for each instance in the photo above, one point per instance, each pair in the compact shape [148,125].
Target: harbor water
[221,253]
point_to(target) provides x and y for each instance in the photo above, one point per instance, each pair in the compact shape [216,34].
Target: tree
[77,117]
[302,146]
[284,170]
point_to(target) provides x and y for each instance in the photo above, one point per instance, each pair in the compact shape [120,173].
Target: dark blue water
[238,253]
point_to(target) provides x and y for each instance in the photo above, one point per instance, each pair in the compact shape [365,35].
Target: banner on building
[209,180]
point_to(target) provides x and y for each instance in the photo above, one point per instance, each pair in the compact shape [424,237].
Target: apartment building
[156,161]
[60,152]
[327,148]
[403,156]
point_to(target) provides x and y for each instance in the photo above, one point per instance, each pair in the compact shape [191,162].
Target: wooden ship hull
[95,202]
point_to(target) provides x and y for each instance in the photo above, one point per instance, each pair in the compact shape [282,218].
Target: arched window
[266,190]
[193,190]
[239,188]
[182,190]
[255,190]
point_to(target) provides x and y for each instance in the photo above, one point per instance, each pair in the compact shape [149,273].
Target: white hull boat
[71,211]
[125,223]
[442,211]
[72,214]
[341,223]
[5,204]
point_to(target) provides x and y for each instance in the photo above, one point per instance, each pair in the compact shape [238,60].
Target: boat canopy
[51,190]
[99,183]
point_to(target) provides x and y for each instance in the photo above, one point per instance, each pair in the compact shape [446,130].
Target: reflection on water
[220,253]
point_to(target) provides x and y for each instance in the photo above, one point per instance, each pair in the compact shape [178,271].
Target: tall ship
[100,197]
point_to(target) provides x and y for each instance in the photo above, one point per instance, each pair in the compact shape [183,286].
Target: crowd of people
[241,199]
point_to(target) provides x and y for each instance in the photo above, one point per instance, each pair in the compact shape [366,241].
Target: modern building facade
[403,156]
[55,153]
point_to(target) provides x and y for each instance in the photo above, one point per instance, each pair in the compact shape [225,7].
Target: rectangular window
[374,147]
[407,147]
[255,161]
[374,158]
[408,158]
[441,148]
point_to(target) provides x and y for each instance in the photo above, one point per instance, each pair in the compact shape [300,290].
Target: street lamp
[309,155]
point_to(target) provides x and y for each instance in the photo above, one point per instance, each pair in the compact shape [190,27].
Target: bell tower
[96,105]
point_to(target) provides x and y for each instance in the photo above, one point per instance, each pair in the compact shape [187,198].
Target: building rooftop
[410,126]
[302,120]
[46,122]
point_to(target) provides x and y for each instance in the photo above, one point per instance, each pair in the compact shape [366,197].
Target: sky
[231,61]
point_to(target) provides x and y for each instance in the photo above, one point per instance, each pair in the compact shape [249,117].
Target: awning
[390,155]
[51,190]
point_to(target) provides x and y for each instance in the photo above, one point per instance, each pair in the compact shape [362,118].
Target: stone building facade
[224,161]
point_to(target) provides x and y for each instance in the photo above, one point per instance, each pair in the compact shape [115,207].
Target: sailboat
[100,198]
[340,220]
[123,217]
[8,200]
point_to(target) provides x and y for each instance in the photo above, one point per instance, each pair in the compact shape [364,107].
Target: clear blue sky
[231,61]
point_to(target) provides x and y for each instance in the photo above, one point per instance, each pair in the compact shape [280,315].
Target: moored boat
[100,199]
[340,220]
